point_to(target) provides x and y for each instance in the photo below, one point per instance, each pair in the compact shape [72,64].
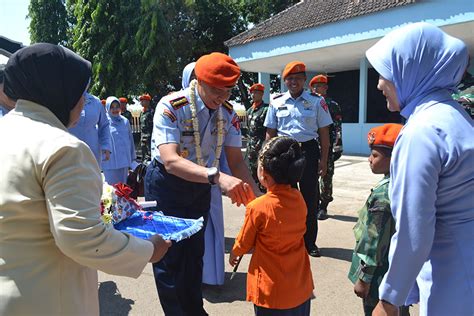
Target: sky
[13,21]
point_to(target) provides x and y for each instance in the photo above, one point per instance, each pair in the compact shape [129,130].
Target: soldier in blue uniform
[305,117]
[191,128]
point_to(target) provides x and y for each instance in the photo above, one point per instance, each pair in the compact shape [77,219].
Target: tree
[103,33]
[155,45]
[48,21]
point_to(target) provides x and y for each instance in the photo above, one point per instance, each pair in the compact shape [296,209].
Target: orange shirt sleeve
[245,241]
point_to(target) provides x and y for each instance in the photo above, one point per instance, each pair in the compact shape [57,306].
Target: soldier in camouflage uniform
[146,127]
[319,85]
[375,225]
[256,131]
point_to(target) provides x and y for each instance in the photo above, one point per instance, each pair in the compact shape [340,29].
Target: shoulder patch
[278,96]
[324,105]
[228,106]
[179,102]
[169,115]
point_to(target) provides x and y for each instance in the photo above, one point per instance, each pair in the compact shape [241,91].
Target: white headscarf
[187,71]
[108,103]
[423,62]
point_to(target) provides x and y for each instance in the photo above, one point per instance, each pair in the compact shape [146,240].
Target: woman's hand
[106,154]
[160,247]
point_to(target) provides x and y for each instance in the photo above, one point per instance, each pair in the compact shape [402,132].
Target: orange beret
[384,136]
[123,100]
[217,70]
[145,97]
[294,67]
[257,87]
[318,79]
[103,101]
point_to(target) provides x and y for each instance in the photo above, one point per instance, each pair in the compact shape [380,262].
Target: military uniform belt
[309,143]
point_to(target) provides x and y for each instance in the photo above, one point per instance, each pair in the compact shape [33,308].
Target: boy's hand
[233,259]
[361,289]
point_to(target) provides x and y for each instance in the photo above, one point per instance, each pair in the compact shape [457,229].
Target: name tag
[187,133]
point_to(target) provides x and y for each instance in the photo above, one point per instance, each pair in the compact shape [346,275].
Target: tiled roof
[311,13]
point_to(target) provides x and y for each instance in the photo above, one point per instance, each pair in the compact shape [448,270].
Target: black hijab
[47,74]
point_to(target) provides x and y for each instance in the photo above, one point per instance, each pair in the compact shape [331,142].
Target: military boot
[323,211]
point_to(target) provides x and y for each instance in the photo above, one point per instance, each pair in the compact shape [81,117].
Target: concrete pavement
[334,292]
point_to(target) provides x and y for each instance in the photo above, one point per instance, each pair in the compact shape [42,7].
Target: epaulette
[179,102]
[228,106]
[278,96]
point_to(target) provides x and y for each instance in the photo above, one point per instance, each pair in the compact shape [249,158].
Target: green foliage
[138,46]
[48,21]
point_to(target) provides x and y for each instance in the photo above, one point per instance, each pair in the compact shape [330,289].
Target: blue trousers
[178,276]
[300,310]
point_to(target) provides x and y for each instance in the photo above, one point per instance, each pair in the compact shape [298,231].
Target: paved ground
[333,291]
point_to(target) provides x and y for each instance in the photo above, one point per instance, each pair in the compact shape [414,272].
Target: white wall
[354,137]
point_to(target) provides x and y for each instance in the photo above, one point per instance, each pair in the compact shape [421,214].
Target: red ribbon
[123,190]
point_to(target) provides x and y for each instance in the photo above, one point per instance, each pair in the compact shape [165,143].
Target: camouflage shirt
[256,130]
[335,129]
[373,232]
[146,123]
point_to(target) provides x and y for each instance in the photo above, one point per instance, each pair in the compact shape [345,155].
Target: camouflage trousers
[325,183]
[145,146]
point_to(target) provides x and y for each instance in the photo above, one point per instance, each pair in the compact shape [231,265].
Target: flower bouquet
[127,215]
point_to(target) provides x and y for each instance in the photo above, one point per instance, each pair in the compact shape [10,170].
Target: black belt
[309,143]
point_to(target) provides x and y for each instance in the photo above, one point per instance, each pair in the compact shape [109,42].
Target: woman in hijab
[122,156]
[432,170]
[214,249]
[52,240]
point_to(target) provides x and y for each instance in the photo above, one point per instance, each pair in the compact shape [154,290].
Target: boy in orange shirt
[279,278]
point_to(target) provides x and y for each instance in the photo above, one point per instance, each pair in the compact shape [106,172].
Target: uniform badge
[371,138]
[306,104]
[324,105]
[228,106]
[236,122]
[185,153]
[179,102]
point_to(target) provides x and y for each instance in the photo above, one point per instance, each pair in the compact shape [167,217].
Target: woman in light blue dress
[431,256]
[213,260]
[122,155]
[93,128]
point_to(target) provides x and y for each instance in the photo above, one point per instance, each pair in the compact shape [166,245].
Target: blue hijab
[424,63]
[188,70]
[108,103]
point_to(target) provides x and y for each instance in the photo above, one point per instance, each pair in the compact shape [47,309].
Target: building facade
[331,36]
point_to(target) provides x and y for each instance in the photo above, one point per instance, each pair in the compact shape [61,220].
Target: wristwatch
[211,175]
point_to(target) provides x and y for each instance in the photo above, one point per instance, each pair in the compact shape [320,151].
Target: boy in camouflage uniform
[375,225]
[146,127]
[256,131]
[319,85]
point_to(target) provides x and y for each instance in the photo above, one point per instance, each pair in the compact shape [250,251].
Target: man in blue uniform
[305,117]
[191,128]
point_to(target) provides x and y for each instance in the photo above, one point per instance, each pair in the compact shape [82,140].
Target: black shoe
[323,214]
[315,252]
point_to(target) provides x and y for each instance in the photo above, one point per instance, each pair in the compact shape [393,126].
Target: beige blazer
[52,241]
